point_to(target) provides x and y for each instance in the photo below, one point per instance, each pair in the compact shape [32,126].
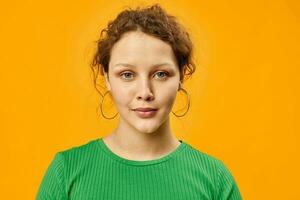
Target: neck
[130,143]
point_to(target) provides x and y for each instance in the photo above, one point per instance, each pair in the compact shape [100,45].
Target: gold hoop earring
[188,97]
[101,108]
[172,111]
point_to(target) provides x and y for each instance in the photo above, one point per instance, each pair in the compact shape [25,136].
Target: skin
[142,85]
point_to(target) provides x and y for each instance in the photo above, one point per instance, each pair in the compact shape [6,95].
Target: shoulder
[207,161]
[217,172]
[203,159]
[78,156]
[62,166]
[203,164]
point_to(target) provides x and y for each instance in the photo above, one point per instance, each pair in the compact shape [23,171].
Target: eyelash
[166,74]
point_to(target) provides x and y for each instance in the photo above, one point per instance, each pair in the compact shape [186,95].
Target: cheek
[121,96]
[168,95]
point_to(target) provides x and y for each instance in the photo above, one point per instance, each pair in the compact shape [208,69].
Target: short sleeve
[52,186]
[227,188]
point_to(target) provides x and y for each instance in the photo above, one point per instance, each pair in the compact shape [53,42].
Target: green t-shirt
[92,171]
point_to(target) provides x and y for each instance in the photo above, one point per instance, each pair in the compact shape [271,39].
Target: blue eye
[161,72]
[125,73]
[128,73]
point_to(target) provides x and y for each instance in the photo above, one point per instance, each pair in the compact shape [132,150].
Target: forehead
[138,48]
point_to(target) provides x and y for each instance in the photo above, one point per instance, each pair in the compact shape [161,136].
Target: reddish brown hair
[152,20]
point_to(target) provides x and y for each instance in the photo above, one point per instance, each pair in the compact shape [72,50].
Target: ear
[106,80]
[180,85]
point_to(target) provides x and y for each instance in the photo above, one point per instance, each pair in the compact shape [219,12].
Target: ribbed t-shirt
[92,171]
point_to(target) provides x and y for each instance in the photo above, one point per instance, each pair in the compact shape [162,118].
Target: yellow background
[244,94]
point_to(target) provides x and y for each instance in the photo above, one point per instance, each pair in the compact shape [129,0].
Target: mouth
[145,114]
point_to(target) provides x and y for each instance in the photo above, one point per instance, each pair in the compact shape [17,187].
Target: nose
[145,91]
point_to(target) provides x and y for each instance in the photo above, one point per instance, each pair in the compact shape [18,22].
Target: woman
[144,57]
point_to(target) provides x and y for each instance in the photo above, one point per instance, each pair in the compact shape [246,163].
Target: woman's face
[143,73]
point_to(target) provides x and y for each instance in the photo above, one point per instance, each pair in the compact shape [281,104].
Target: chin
[146,131]
[145,125]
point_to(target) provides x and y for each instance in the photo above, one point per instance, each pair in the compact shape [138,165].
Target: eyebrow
[130,65]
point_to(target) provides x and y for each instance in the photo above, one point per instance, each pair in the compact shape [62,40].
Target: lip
[145,109]
[145,114]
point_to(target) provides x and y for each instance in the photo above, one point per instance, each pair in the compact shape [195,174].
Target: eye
[162,72]
[125,74]
[128,75]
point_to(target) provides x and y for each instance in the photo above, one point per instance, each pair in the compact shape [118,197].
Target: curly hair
[152,20]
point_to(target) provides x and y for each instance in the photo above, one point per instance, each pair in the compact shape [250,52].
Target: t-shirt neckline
[116,157]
